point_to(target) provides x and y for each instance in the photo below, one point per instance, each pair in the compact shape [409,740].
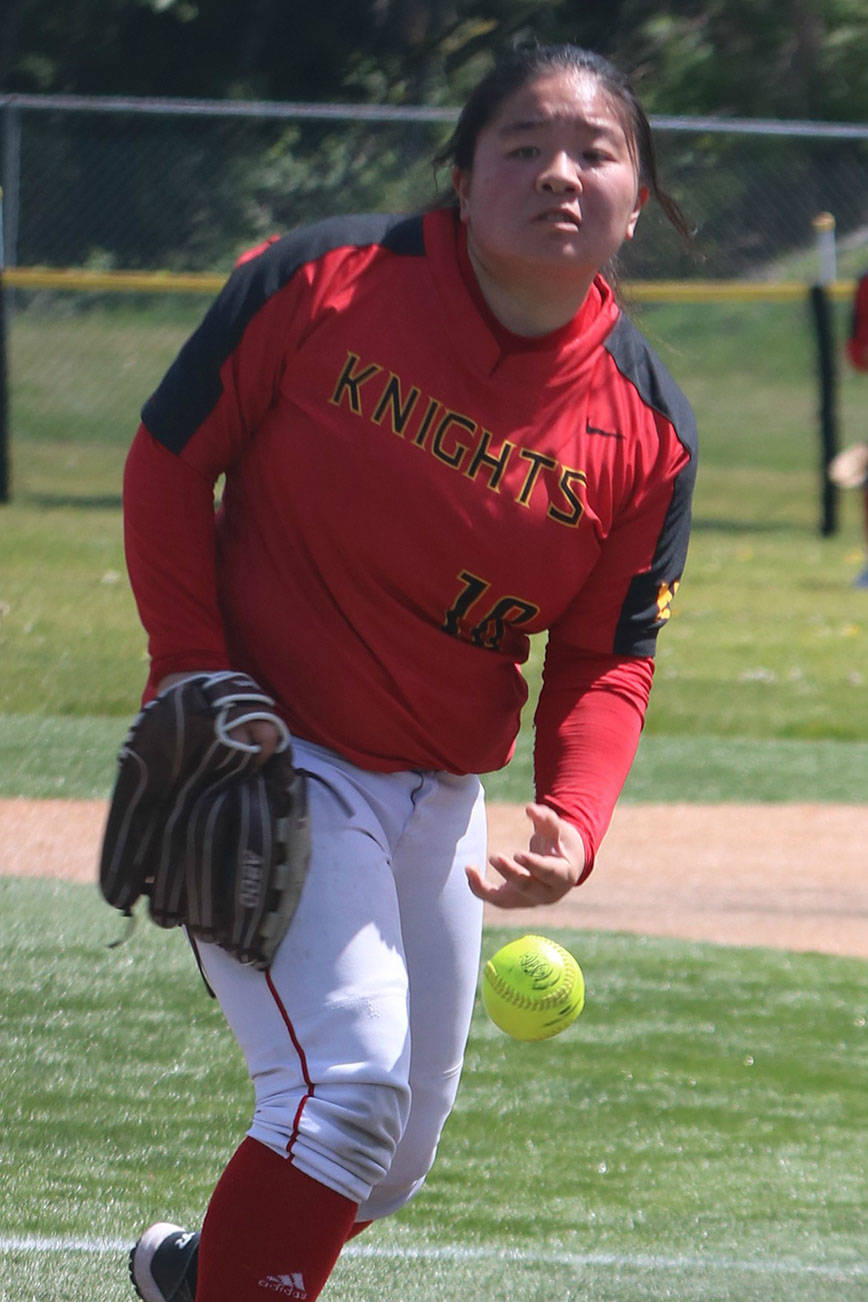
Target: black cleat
[163,1264]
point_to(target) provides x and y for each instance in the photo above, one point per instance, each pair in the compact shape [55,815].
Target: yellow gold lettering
[472,588]
[665,597]
[350,381]
[538,462]
[459,450]
[422,432]
[509,611]
[393,401]
[576,511]
[497,461]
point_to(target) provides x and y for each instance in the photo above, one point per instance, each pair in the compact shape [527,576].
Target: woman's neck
[541,304]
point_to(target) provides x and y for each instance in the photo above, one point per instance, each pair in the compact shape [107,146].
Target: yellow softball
[533,988]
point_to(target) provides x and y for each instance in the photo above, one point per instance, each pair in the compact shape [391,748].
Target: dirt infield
[787,876]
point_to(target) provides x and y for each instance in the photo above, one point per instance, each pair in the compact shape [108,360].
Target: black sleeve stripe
[639,364]
[647,605]
[192,387]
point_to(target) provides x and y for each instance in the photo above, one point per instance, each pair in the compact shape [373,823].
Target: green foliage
[781,62]
[699,1133]
[191,193]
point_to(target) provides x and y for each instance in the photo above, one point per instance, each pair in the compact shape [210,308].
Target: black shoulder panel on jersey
[638,363]
[647,605]
[191,387]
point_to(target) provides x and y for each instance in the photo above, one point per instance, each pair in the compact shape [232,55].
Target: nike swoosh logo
[607,433]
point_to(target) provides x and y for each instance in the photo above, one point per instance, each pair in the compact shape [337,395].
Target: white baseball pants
[355,1037]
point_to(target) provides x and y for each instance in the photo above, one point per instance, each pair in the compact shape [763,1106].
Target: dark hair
[524,62]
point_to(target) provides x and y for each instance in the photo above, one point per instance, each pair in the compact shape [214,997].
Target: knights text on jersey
[406,500]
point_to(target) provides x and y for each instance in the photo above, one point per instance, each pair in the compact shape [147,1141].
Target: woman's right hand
[261,733]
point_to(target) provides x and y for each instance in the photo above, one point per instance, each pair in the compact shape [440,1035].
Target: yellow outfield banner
[726,291]
[151,282]
[170,282]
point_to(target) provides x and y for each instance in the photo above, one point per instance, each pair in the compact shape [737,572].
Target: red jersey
[857,340]
[410,494]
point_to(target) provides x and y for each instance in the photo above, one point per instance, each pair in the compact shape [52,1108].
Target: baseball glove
[218,845]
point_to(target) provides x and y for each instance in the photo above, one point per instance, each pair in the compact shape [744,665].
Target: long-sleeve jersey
[409,496]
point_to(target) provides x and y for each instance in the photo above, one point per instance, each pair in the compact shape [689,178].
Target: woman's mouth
[560,217]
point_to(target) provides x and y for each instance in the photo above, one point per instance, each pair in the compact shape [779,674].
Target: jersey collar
[482,342]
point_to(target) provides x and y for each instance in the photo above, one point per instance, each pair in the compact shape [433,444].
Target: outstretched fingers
[542,874]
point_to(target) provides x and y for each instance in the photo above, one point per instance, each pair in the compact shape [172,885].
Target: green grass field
[764,665]
[700,1133]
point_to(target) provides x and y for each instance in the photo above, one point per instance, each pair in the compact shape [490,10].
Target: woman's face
[553,185]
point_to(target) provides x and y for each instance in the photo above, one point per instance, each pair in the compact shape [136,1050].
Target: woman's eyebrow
[522,126]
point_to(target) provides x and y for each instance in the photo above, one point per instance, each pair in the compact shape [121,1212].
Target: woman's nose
[560,175]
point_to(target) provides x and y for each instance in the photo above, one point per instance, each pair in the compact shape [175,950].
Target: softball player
[853,462]
[440,435]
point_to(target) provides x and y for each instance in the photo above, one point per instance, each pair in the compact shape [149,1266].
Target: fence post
[824,228]
[10,180]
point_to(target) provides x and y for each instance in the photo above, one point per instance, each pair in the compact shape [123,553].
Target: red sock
[357,1229]
[270,1232]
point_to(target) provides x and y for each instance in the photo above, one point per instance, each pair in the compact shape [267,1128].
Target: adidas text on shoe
[163,1264]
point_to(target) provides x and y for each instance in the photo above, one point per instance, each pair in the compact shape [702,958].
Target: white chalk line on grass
[455,1252]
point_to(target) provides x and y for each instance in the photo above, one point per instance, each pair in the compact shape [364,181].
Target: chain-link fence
[162,184]
[158,185]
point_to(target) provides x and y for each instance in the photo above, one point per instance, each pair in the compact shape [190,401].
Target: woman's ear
[461,186]
[641,200]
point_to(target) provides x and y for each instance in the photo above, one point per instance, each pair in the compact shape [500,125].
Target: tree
[751,58]
[791,58]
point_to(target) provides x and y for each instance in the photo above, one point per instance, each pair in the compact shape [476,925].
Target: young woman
[440,435]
